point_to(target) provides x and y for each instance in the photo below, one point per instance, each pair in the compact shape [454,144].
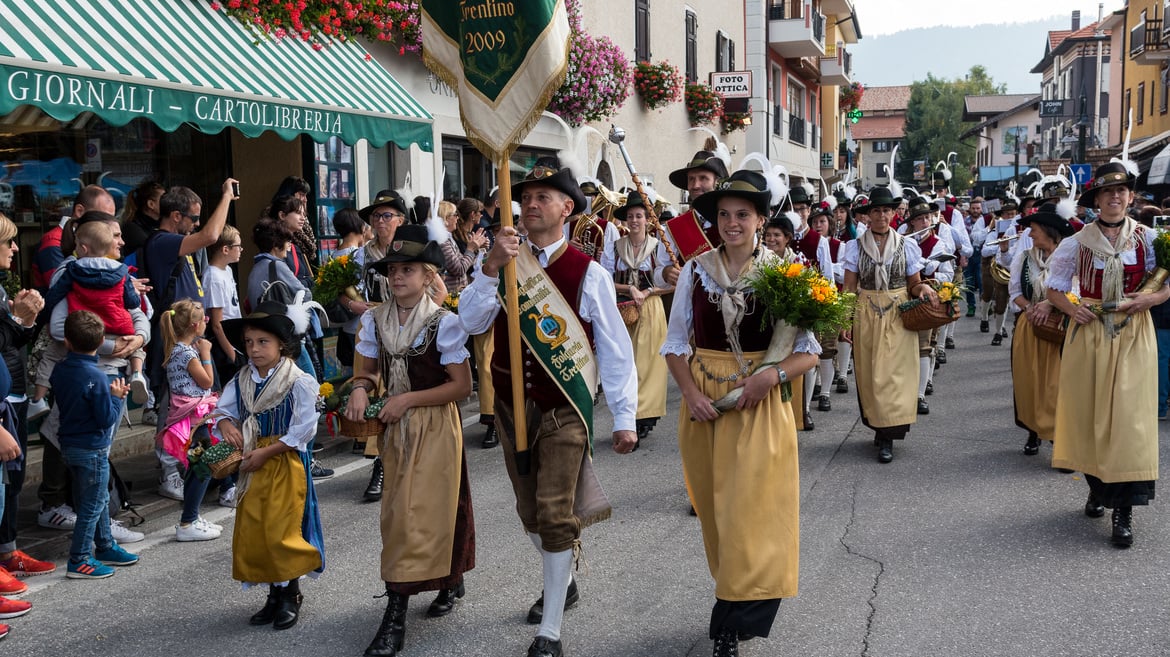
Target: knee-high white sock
[986,314]
[930,372]
[558,571]
[844,353]
[825,370]
[1003,322]
[923,375]
[810,380]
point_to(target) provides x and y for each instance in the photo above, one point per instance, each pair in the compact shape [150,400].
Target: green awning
[180,61]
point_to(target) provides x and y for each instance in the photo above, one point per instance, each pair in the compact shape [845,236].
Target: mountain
[1008,52]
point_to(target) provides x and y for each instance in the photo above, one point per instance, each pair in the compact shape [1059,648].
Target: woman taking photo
[882,268]
[1106,409]
[740,466]
[1035,362]
[630,260]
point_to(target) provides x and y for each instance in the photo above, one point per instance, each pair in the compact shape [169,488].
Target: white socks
[810,380]
[844,355]
[825,369]
[923,375]
[558,572]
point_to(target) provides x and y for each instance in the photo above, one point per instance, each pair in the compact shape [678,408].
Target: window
[724,52]
[1141,103]
[1128,105]
[642,30]
[692,47]
[795,98]
[1153,86]
[880,170]
[881,146]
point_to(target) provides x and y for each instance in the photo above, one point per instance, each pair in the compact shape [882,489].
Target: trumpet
[1003,239]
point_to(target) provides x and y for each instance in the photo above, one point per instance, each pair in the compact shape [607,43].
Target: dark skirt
[754,617]
[1121,493]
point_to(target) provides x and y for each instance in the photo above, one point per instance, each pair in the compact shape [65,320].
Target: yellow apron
[1035,379]
[647,336]
[885,360]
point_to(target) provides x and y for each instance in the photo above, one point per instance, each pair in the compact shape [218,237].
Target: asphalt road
[961,546]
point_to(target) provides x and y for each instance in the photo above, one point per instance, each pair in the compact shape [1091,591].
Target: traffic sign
[1081,173]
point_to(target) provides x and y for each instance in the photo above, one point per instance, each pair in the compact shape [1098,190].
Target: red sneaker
[13,608]
[9,585]
[22,565]
[3,630]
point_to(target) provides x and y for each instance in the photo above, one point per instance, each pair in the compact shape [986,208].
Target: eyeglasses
[235,246]
[387,216]
[192,217]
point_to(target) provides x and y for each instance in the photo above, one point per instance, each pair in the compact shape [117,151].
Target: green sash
[550,328]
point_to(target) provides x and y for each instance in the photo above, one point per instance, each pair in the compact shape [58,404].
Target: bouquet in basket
[336,277]
[795,298]
[948,298]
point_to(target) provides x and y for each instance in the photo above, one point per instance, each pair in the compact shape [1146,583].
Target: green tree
[934,124]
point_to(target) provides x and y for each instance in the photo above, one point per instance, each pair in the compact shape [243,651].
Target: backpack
[120,496]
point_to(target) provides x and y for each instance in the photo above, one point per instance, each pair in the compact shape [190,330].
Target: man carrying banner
[571,331]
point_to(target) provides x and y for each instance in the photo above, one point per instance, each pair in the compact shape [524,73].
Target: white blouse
[303,426]
[451,338]
[913,256]
[1064,262]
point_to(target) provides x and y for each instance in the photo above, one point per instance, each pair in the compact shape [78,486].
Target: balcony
[1148,42]
[837,67]
[795,29]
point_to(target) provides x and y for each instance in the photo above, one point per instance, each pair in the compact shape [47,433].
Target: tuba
[1000,274]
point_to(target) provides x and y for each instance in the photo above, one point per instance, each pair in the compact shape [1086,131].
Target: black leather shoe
[392,632]
[984,326]
[997,340]
[923,409]
[1093,507]
[265,615]
[949,344]
[1032,447]
[490,439]
[544,647]
[809,425]
[445,601]
[726,644]
[824,404]
[373,491]
[288,608]
[536,612]
[940,358]
[842,385]
[886,451]
[930,387]
[1003,332]
[1122,527]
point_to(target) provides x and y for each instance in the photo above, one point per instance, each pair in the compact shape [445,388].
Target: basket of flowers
[733,121]
[659,84]
[704,104]
[223,459]
[922,315]
[370,427]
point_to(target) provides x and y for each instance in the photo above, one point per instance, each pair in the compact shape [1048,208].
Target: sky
[884,17]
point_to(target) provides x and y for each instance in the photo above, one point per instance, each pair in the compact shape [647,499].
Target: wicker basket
[925,316]
[222,459]
[362,431]
[1053,328]
[630,312]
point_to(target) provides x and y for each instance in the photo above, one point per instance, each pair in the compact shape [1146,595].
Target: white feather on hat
[406,193]
[720,149]
[828,198]
[776,185]
[1124,160]
[436,229]
[797,223]
[298,312]
[895,186]
[946,170]
[567,156]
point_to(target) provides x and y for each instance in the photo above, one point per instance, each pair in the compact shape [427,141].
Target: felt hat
[411,243]
[1048,215]
[386,197]
[633,200]
[269,316]
[823,208]
[799,194]
[548,171]
[920,206]
[1106,175]
[702,161]
[745,184]
[881,197]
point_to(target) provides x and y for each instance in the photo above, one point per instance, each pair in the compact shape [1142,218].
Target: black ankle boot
[1093,506]
[726,644]
[885,450]
[391,633]
[1032,447]
[1122,527]
[490,438]
[288,608]
[445,601]
[265,615]
[374,489]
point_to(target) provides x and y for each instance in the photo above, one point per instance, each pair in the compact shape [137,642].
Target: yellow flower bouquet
[336,277]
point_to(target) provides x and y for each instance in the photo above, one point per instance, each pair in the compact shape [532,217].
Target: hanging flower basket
[733,121]
[851,96]
[598,81]
[658,84]
[321,21]
[704,104]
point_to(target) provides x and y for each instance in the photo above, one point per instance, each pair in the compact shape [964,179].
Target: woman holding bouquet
[1035,362]
[883,267]
[1106,410]
[630,260]
[740,466]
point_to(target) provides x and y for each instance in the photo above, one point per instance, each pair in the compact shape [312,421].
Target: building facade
[880,128]
[1076,70]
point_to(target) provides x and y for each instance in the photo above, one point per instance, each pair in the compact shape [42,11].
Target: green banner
[504,59]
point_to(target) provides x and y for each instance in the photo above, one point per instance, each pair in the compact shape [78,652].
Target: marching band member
[815,250]
[741,466]
[883,268]
[921,217]
[587,230]
[1035,362]
[819,221]
[993,290]
[630,260]
[1106,410]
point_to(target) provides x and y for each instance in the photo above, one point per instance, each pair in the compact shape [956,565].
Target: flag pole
[512,307]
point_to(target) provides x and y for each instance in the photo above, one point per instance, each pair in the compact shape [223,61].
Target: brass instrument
[1002,240]
[1000,274]
[618,136]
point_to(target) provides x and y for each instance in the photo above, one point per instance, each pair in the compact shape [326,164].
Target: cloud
[884,17]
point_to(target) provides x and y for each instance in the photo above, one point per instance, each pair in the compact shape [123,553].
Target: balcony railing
[796,130]
[1154,38]
[778,120]
[1137,39]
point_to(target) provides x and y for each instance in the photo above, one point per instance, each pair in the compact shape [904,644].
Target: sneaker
[150,417]
[217,527]
[22,565]
[228,498]
[57,517]
[319,471]
[13,608]
[9,585]
[89,569]
[115,556]
[172,486]
[123,534]
[37,409]
[199,530]
[138,388]
[3,630]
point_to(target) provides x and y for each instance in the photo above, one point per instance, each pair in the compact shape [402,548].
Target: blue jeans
[91,484]
[1163,368]
[973,276]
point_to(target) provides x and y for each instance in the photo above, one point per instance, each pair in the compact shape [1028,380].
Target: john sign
[733,84]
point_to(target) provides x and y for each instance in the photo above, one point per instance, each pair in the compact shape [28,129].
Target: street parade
[557,348]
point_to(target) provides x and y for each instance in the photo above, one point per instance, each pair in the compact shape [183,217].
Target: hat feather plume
[764,167]
[715,146]
[437,230]
[895,186]
[1124,160]
[299,309]
[567,156]
[406,193]
[1067,207]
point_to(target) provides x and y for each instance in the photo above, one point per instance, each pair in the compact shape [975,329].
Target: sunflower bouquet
[336,277]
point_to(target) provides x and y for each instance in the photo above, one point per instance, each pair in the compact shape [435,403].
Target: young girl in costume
[269,411]
[416,348]
[190,376]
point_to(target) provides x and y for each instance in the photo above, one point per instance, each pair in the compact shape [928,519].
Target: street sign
[733,84]
[1052,108]
[1081,173]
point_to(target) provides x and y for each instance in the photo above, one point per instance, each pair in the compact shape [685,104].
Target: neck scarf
[868,245]
[1113,277]
[1038,273]
[624,248]
[732,302]
[396,347]
[280,382]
